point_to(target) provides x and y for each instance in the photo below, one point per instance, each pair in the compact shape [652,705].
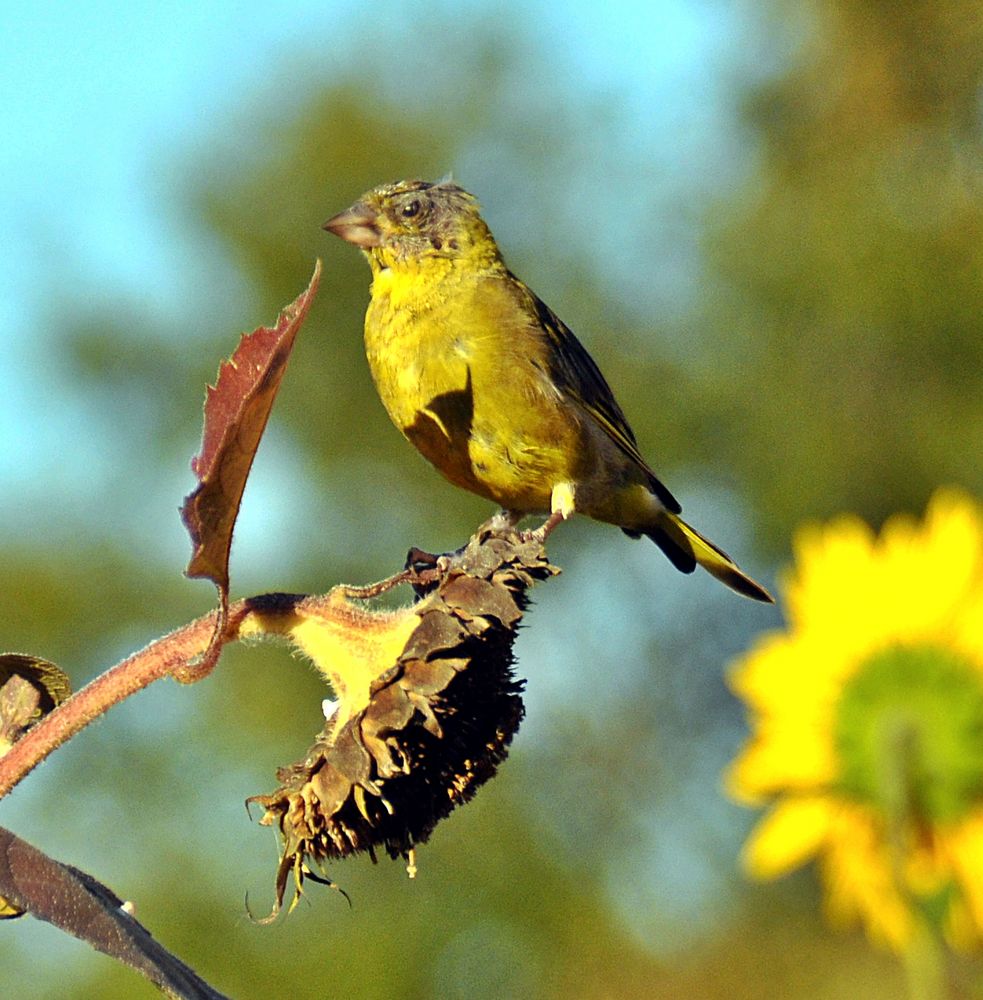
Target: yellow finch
[492,387]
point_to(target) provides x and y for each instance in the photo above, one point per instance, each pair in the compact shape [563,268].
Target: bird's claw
[426,568]
[543,532]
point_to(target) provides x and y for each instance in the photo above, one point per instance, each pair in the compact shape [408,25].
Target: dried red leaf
[236,410]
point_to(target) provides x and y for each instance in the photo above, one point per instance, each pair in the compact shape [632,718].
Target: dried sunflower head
[428,704]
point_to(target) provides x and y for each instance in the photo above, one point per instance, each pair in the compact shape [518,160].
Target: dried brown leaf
[34,883]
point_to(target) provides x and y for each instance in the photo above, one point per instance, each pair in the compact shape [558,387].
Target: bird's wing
[577,375]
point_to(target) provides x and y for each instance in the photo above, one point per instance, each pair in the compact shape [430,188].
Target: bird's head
[409,221]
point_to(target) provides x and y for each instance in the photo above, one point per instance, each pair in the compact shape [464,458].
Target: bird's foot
[425,569]
[420,559]
[543,532]
[422,570]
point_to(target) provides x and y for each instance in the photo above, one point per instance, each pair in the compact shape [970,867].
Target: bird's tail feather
[687,548]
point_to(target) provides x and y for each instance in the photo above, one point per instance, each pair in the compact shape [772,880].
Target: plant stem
[160,659]
[925,965]
[187,654]
[924,957]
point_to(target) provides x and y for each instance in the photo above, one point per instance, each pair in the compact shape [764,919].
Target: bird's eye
[413,208]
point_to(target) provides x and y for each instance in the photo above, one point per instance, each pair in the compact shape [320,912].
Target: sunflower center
[909,733]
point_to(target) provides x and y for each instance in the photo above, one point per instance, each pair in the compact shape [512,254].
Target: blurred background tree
[786,295]
[850,270]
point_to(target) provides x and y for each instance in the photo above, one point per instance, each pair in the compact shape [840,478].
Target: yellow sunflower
[867,724]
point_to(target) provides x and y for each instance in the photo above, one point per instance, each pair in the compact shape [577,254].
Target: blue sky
[97,97]
[104,103]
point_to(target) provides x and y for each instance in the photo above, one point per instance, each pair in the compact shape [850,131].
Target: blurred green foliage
[851,269]
[832,361]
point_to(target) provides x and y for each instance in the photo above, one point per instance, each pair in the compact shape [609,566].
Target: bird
[493,388]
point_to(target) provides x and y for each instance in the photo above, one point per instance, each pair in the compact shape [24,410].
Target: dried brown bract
[437,723]
[29,689]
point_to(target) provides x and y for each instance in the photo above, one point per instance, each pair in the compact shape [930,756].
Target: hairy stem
[160,659]
[186,654]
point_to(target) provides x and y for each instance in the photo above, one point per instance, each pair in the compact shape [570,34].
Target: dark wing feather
[575,373]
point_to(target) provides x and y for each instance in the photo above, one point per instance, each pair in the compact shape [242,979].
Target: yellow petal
[787,837]
[780,759]
[830,582]
[966,847]
[860,881]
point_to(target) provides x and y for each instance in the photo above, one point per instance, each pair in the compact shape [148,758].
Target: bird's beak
[358,225]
